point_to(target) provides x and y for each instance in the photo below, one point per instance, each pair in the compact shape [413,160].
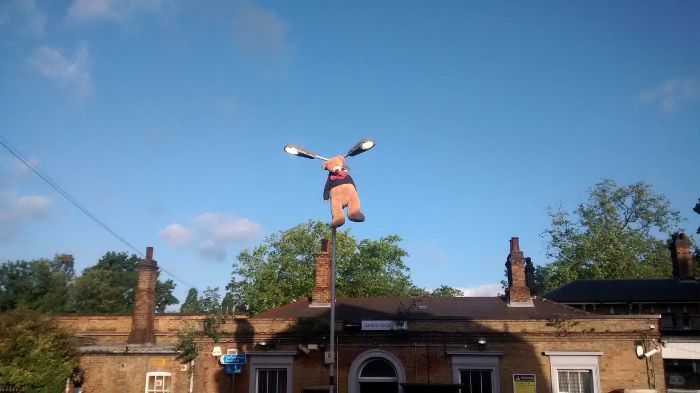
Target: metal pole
[331,368]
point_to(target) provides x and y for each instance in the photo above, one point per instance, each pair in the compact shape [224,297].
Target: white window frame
[364,357]
[158,374]
[268,360]
[574,361]
[463,361]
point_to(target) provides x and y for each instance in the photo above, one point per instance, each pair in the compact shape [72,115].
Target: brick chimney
[142,320]
[517,294]
[681,257]
[321,295]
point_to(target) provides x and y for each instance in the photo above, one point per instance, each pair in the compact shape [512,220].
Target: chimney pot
[149,253]
[514,244]
[324,245]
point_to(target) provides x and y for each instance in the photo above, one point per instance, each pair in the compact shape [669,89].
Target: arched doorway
[376,371]
[377,375]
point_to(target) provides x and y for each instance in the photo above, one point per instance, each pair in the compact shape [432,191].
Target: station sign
[232,359]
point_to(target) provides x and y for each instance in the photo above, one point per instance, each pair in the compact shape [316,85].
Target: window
[477,372]
[575,381]
[270,371]
[376,371]
[574,372]
[158,382]
[475,381]
[272,380]
[378,375]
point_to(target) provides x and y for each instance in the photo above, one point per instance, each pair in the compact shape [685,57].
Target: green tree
[210,301]
[108,287]
[281,269]
[191,303]
[35,355]
[446,291]
[610,236]
[41,284]
[228,303]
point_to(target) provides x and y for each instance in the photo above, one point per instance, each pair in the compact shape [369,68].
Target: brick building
[514,344]
[677,299]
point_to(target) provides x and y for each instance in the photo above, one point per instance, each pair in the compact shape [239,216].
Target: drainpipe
[191,374]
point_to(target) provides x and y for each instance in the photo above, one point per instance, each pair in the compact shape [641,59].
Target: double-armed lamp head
[360,147]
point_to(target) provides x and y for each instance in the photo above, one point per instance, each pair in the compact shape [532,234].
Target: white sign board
[384,325]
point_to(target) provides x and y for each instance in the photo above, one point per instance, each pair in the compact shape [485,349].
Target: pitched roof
[427,308]
[626,291]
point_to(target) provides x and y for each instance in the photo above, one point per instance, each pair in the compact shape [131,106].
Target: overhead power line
[75,203]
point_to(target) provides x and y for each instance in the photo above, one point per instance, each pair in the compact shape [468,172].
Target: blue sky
[166,119]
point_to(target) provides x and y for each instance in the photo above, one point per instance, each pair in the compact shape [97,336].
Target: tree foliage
[51,286]
[191,303]
[610,236]
[35,355]
[281,269]
[42,284]
[446,291]
[108,287]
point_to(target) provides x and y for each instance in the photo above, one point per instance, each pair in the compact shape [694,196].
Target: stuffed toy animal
[340,189]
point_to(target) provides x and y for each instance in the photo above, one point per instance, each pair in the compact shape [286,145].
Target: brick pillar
[681,257]
[321,295]
[142,320]
[517,294]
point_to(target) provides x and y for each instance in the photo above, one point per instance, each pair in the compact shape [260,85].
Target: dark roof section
[427,308]
[626,291]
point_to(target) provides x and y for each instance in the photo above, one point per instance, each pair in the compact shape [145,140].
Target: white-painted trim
[266,360]
[471,362]
[363,358]
[575,361]
[577,353]
[156,374]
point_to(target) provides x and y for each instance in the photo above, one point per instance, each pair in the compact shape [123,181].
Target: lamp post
[360,147]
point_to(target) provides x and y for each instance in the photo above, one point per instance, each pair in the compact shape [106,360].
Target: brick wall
[127,373]
[422,350]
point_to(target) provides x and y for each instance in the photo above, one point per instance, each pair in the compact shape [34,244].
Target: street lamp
[301,152]
[359,148]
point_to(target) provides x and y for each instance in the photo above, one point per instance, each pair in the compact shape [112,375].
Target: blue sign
[232,359]
[233,368]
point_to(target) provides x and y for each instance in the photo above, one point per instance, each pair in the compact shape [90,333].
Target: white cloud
[672,93]
[112,10]
[259,31]
[17,212]
[176,234]
[224,228]
[25,14]
[72,72]
[214,232]
[482,290]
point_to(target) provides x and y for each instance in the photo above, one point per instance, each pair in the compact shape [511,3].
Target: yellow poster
[523,383]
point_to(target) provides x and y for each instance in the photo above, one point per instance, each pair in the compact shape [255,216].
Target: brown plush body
[340,189]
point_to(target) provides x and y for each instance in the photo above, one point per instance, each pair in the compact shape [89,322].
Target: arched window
[376,371]
[378,376]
